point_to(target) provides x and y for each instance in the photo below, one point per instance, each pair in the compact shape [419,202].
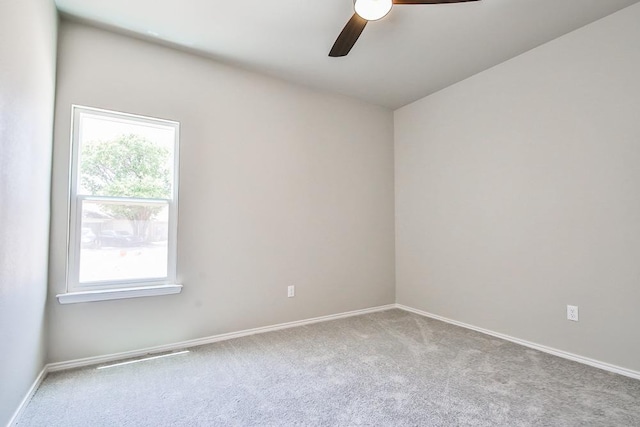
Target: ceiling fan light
[372,10]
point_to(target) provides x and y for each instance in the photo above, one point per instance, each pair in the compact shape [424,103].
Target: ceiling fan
[371,10]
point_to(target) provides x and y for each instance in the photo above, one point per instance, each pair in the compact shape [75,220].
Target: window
[123,207]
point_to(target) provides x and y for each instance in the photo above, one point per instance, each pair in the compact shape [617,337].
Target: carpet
[390,368]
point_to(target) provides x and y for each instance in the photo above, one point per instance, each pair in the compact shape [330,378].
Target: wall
[279,185]
[27,88]
[517,194]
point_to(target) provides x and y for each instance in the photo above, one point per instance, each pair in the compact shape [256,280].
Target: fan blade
[348,36]
[429,1]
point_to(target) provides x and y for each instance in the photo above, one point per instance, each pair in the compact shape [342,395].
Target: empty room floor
[390,368]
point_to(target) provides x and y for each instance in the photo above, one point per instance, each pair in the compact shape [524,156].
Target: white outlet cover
[572,313]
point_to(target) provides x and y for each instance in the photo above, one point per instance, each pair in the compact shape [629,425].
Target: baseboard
[27,398]
[560,353]
[78,363]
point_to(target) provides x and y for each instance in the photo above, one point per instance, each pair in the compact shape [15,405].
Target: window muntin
[123,216]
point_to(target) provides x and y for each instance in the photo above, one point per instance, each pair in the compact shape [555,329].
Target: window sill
[122,293]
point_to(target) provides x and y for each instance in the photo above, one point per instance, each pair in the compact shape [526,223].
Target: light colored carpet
[390,368]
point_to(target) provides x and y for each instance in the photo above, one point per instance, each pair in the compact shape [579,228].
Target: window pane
[123,158]
[123,240]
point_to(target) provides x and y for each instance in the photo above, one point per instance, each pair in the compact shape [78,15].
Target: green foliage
[128,166]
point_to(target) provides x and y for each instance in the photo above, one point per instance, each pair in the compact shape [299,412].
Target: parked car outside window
[119,238]
[88,237]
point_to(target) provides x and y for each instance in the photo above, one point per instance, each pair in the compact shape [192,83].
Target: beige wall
[27,87]
[517,193]
[279,186]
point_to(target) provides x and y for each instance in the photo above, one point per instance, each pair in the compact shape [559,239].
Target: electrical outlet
[572,313]
[291,291]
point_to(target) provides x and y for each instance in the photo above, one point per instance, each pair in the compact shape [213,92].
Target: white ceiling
[414,51]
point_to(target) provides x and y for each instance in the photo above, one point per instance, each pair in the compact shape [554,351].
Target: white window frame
[107,290]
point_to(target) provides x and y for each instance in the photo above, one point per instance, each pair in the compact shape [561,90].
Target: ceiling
[413,52]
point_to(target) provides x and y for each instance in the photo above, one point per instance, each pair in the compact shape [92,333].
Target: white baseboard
[78,363]
[560,353]
[27,398]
